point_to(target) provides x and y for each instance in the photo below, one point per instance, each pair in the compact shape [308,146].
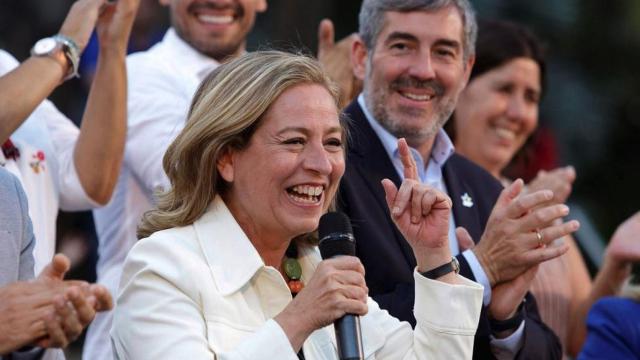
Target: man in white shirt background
[161,83]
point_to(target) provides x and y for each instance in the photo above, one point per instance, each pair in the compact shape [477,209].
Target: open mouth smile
[215,19]
[416,97]
[306,194]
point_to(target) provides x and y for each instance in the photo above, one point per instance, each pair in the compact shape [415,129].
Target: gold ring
[539,236]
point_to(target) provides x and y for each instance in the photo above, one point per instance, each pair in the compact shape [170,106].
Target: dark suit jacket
[388,258]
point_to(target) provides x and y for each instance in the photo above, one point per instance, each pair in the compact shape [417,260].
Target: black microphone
[336,238]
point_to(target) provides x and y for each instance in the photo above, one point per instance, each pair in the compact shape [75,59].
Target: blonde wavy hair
[225,112]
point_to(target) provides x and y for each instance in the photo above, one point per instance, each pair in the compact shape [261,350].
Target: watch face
[44,46]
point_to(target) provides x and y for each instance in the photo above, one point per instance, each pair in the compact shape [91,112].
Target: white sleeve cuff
[453,309]
[508,347]
[479,274]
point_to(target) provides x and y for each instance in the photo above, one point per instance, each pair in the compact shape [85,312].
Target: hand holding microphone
[337,288]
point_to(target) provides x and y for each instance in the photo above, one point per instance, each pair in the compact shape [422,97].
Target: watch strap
[511,323]
[444,269]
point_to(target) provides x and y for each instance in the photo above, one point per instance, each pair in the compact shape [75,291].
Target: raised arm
[99,150]
[26,86]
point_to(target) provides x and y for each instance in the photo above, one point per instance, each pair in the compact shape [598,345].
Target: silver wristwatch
[59,43]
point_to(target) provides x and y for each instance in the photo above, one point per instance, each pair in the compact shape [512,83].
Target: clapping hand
[624,247]
[559,180]
[48,311]
[73,307]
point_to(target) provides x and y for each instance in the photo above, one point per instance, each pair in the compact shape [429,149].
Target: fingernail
[565,209]
[414,219]
[396,211]
[576,225]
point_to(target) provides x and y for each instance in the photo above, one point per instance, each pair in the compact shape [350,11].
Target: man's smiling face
[216,28]
[416,71]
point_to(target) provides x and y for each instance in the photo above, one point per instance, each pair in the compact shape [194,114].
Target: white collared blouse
[203,292]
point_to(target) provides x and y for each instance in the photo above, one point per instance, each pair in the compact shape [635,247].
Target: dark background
[591,104]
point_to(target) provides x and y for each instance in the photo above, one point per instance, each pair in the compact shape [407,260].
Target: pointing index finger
[408,162]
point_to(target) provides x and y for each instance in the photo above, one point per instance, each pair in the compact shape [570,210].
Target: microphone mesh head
[336,235]
[334,222]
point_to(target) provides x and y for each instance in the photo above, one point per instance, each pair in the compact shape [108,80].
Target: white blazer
[203,292]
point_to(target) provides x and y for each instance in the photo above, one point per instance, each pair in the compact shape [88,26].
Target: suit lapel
[462,195]
[368,157]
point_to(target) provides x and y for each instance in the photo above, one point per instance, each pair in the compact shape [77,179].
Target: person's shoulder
[172,254]
[614,308]
[166,243]
[10,187]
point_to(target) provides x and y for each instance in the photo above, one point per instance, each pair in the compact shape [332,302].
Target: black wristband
[451,266]
[511,323]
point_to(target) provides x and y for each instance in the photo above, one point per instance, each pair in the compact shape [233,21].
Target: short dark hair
[502,41]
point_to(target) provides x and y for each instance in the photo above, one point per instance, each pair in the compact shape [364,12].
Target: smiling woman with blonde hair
[222,273]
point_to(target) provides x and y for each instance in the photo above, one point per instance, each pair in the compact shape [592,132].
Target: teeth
[213,19]
[417,97]
[504,133]
[304,199]
[307,190]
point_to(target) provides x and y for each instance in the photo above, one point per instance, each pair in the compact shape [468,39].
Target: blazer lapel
[462,196]
[368,156]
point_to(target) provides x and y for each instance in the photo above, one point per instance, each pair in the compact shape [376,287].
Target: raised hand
[336,288]
[421,213]
[519,233]
[336,60]
[80,21]
[624,247]
[115,23]
[559,180]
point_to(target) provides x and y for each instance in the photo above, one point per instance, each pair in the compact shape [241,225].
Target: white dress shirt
[46,169]
[432,176]
[161,84]
[203,292]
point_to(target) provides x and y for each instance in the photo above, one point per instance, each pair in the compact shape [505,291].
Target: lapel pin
[467,201]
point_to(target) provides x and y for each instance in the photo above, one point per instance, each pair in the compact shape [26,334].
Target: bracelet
[510,323]
[72,53]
